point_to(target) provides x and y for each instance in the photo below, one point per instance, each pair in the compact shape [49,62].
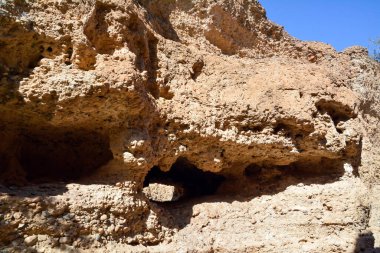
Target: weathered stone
[31,240]
[65,240]
[17,215]
[161,192]
[111,229]
[264,143]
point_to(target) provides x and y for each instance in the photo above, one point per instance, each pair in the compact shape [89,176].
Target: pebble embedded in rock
[17,215]
[31,240]
[68,216]
[110,229]
[101,231]
[64,240]
[103,217]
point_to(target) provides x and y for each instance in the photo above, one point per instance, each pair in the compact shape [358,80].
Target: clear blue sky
[340,23]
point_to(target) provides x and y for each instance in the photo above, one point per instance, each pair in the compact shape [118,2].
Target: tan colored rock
[163,192]
[103,217]
[31,240]
[64,240]
[273,141]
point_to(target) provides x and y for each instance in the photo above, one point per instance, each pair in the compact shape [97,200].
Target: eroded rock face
[243,131]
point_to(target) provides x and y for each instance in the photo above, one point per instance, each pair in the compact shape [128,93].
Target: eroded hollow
[337,112]
[313,169]
[184,180]
[267,178]
[51,154]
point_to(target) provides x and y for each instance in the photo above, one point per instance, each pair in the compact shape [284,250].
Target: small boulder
[163,192]
[31,240]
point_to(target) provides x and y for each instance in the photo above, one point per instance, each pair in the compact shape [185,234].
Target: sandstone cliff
[182,126]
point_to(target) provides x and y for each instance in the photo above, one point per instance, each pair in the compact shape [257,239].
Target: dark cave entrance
[185,175]
[51,154]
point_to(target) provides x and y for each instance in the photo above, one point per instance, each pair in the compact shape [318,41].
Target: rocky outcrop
[166,126]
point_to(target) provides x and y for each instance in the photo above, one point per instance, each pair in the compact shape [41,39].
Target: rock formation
[182,126]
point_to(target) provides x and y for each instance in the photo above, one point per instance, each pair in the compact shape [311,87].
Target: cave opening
[52,155]
[183,181]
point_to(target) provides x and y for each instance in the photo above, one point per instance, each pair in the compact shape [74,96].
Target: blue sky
[341,23]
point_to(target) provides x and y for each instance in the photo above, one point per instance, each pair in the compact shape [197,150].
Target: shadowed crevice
[184,174]
[51,154]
